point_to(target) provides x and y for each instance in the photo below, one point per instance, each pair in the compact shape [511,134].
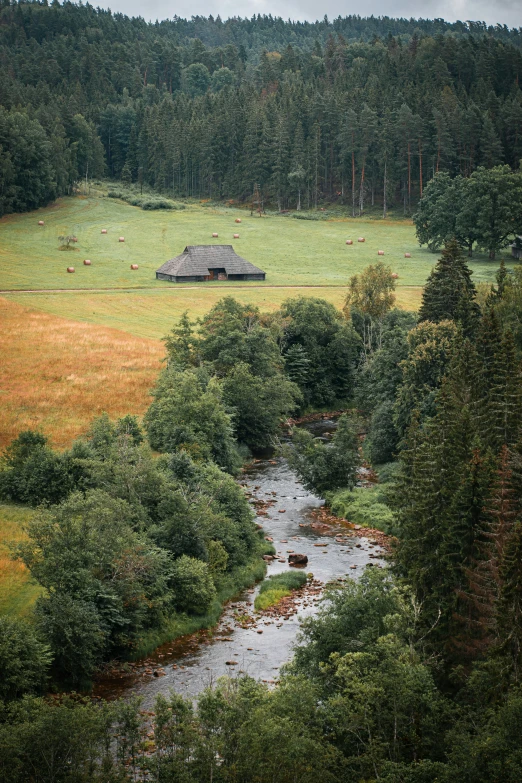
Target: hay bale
[361,239]
[87,262]
[238,220]
[134,266]
[395,275]
[214,236]
[349,241]
[121,239]
[70,269]
[104,230]
[407,255]
[380,252]
[236,236]
[41,223]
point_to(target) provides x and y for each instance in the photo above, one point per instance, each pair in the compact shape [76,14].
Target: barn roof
[198,259]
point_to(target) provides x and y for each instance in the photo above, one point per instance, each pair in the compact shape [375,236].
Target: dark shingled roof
[198,259]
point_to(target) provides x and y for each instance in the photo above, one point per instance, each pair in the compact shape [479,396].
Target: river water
[261,646]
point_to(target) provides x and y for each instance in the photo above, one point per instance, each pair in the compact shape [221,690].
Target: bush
[278,586]
[290,580]
[326,467]
[74,631]
[33,473]
[148,201]
[193,586]
[24,660]
[363,506]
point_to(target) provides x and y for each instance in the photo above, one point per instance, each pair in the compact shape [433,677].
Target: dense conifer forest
[360,111]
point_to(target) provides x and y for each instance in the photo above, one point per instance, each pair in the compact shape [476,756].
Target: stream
[263,644]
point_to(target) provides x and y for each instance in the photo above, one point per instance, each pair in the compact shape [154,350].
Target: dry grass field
[58,374]
[17,592]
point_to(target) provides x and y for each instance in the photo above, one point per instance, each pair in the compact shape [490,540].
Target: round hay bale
[238,220]
[349,241]
[104,230]
[134,266]
[121,239]
[214,236]
[41,223]
[70,269]
[380,252]
[236,236]
[361,239]
[395,275]
[407,255]
[87,262]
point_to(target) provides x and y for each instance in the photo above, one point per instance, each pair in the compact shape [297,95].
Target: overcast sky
[491,11]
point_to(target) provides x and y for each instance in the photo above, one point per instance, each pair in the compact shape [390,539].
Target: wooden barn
[198,263]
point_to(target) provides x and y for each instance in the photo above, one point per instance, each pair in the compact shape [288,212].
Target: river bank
[258,643]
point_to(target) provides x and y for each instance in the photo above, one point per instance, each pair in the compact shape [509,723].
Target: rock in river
[297,559]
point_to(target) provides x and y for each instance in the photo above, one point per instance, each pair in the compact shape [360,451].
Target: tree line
[366,122]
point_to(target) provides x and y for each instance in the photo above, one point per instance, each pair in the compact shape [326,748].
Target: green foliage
[193,586]
[487,215]
[382,439]
[259,405]
[278,586]
[364,506]
[324,362]
[76,635]
[187,413]
[430,349]
[33,473]
[148,201]
[372,294]
[449,293]
[326,467]
[24,660]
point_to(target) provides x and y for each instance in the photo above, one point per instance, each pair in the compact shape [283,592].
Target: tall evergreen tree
[449,293]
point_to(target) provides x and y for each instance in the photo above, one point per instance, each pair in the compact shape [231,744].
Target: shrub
[363,506]
[148,201]
[277,587]
[290,580]
[24,660]
[193,585]
[74,631]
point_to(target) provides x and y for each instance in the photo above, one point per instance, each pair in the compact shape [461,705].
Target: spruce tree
[449,293]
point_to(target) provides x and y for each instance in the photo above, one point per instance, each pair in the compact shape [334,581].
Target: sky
[491,11]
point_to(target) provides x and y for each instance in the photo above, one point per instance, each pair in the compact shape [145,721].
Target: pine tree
[449,293]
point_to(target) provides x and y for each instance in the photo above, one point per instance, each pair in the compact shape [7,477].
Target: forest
[141,530]
[361,112]
[409,673]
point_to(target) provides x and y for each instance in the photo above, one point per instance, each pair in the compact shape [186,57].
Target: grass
[293,252]
[17,592]
[277,587]
[58,374]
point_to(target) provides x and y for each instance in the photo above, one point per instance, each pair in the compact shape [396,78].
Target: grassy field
[17,592]
[153,313]
[58,374]
[292,252]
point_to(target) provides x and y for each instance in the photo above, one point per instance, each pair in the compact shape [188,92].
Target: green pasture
[292,252]
[308,257]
